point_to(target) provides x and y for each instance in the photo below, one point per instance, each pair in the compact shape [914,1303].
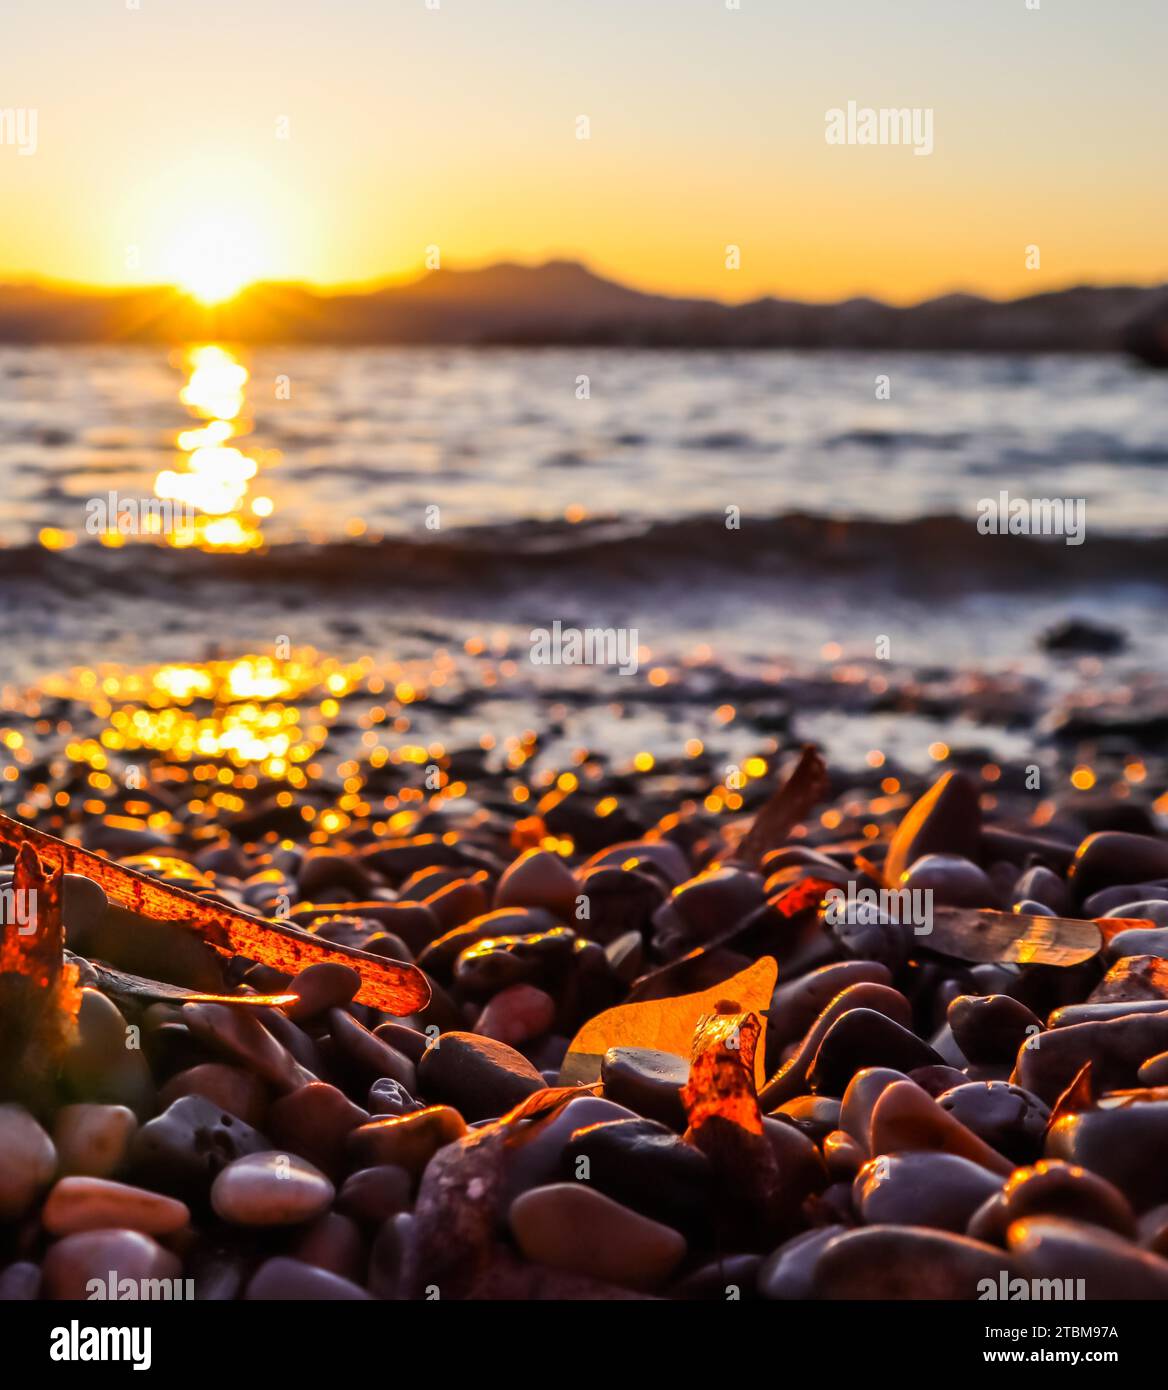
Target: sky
[335,141]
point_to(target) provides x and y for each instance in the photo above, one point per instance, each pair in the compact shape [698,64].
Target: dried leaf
[979,935]
[123,987]
[391,986]
[721,1073]
[666,1025]
[790,804]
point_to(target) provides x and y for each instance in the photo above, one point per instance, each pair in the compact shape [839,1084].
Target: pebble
[946,820]
[93,1140]
[789,1273]
[940,1190]
[905,1262]
[864,1037]
[480,1077]
[333,1242]
[326,985]
[537,1162]
[243,1038]
[373,1195]
[516,1015]
[75,1266]
[369,1054]
[408,1141]
[953,881]
[843,1156]
[1131,979]
[1009,1119]
[1111,856]
[1115,1143]
[643,1165]
[1050,1247]
[20,1282]
[1042,885]
[572,1227]
[1052,1188]
[1116,1048]
[234,1089]
[906,1118]
[285,1278]
[859,1100]
[814,1116]
[647,1081]
[270,1189]
[991,1027]
[1137,941]
[795,1006]
[315,1122]
[91,1204]
[181,1151]
[390,1097]
[539,878]
[28,1160]
[100,1066]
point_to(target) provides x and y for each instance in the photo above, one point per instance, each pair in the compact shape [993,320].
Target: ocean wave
[930,553]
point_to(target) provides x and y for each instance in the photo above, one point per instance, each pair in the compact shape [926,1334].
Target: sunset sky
[157,130]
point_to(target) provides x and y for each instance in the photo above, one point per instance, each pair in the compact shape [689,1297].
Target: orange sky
[160,153]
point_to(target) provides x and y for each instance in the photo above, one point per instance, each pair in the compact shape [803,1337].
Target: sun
[215,257]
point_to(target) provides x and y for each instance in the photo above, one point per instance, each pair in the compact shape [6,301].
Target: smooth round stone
[390,1097]
[991,1027]
[1052,1188]
[460,901]
[865,1038]
[541,958]
[704,906]
[1101,1013]
[93,1140]
[408,1141]
[404,1039]
[1154,1072]
[373,1195]
[1137,941]
[270,1189]
[516,1015]
[94,1204]
[953,881]
[864,1090]
[478,1076]
[323,869]
[935,1081]
[1042,885]
[181,1151]
[28,1160]
[789,1273]
[796,1006]
[326,985]
[867,934]
[234,1089]
[1007,1118]
[814,1116]
[1027,907]
[438,957]
[1122,1144]
[1154,911]
[898,1262]
[924,1189]
[99,1066]
[647,1081]
[946,820]
[843,1155]
[643,1165]
[800,1165]
[1153,1230]
[571,1226]
[1102,902]
[387,1258]
[1049,1247]
[244,1039]
[315,1123]
[665,856]
[283,1278]
[368,1053]
[905,1118]
[74,1266]
[1112,856]
[539,878]
[537,1161]
[1116,1049]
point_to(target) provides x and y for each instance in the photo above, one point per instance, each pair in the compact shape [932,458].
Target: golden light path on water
[213,478]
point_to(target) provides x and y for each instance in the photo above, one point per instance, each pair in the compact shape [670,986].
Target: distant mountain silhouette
[563,302]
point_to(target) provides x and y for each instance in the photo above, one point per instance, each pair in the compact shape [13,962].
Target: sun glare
[216,258]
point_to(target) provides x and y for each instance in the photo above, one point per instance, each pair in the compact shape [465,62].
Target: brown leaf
[790,804]
[977,934]
[391,986]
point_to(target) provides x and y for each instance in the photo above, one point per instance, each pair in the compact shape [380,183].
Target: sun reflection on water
[214,477]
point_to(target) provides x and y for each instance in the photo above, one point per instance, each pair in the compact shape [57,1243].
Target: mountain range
[564,303]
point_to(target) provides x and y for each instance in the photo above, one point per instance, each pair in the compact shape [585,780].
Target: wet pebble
[270,1189]
[407,1141]
[1052,1188]
[643,1165]
[940,1190]
[91,1204]
[480,1077]
[647,1081]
